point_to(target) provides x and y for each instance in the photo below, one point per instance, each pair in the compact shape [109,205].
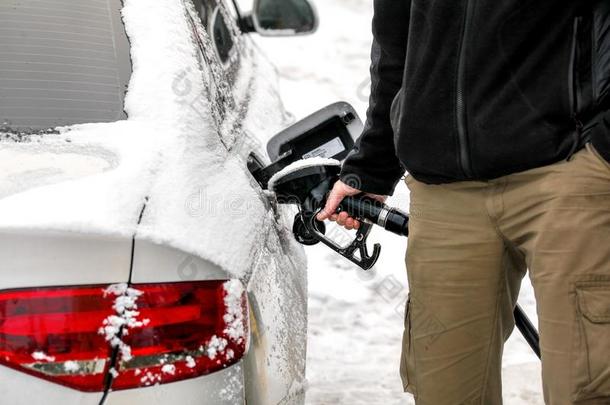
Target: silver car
[140,262]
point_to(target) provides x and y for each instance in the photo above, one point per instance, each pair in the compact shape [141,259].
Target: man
[499,111]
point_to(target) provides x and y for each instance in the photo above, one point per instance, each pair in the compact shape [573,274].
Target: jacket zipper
[464,152]
[575,96]
[575,90]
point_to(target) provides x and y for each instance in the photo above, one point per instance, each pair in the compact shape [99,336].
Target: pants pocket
[406,358]
[592,344]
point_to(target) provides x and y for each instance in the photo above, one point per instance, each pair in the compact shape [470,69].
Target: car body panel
[224,387]
[155,263]
[275,364]
[42,259]
[23,389]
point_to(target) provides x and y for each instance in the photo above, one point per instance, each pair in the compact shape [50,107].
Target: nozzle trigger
[363,259]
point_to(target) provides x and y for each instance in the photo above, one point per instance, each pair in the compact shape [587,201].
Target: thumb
[378,197]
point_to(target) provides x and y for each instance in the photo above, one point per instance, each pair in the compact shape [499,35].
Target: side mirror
[327,133]
[281,18]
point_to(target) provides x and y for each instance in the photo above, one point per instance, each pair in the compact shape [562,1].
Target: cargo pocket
[592,344]
[406,359]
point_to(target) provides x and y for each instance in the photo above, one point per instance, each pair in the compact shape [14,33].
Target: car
[140,261]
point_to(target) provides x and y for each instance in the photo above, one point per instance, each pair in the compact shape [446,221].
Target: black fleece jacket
[474,90]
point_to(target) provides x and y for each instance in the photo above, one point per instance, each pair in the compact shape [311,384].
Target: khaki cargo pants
[470,245]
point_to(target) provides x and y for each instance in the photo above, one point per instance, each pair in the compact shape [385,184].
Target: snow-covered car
[140,262]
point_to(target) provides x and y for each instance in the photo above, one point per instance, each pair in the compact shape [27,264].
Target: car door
[177,246]
[275,364]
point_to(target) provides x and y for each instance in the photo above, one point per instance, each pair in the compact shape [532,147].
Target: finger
[333,201]
[349,223]
[333,217]
[342,218]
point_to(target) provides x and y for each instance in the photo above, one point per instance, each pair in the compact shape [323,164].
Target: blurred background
[356,317]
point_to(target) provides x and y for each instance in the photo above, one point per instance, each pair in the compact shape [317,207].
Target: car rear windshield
[62,62]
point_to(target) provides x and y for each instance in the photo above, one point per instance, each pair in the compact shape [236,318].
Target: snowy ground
[355,317]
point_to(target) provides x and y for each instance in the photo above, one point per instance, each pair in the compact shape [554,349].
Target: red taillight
[187,332]
[142,335]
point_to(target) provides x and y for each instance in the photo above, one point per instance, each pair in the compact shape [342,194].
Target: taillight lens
[140,335]
[190,329]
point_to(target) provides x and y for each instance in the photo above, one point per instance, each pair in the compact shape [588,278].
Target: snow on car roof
[200,198]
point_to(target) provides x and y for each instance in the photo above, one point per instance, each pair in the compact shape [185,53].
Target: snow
[150,378]
[113,372]
[190,362]
[71,366]
[168,156]
[168,369]
[234,315]
[233,387]
[114,327]
[216,346]
[234,319]
[356,317]
[298,165]
[42,356]
[202,201]
[83,181]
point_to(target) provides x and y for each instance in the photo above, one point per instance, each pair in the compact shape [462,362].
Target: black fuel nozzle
[367,209]
[308,186]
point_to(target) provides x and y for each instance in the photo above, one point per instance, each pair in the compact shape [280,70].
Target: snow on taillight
[140,334]
[193,329]
[50,332]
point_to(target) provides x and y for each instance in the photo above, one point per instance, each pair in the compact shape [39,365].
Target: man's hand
[337,194]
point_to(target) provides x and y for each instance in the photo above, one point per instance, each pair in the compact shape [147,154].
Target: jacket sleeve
[372,165]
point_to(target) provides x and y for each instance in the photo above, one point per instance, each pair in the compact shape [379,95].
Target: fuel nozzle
[307,184]
[369,210]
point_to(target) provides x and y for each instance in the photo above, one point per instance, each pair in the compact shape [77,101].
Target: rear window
[62,62]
